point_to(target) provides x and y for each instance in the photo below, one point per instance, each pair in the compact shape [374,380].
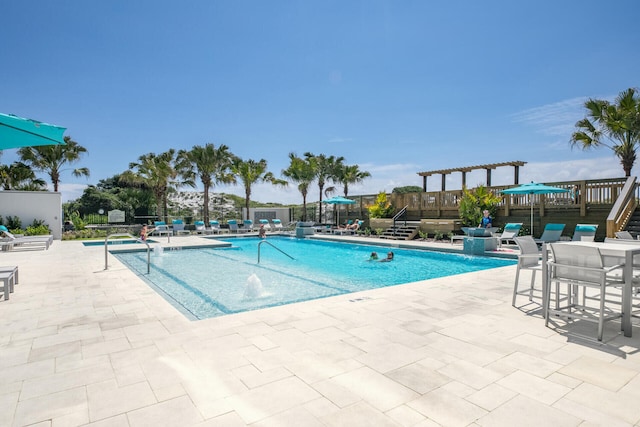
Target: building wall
[30,205]
[256,214]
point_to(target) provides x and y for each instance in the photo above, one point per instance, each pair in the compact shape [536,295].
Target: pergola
[444,172]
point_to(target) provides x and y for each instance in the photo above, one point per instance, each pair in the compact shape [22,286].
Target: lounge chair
[10,241]
[349,230]
[178,227]
[265,224]
[247,225]
[200,227]
[277,224]
[585,232]
[214,226]
[510,232]
[624,235]
[161,228]
[551,233]
[233,225]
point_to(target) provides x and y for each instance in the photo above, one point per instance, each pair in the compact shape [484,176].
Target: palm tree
[157,173]
[326,169]
[51,158]
[301,172]
[617,123]
[350,174]
[211,165]
[19,176]
[251,172]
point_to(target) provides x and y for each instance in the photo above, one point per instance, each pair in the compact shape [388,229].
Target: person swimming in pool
[388,258]
[373,256]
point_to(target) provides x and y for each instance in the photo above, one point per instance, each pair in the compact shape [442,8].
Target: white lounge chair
[624,235]
[247,226]
[233,225]
[10,241]
[510,232]
[200,227]
[551,233]
[161,228]
[265,224]
[585,232]
[277,224]
[178,227]
[214,226]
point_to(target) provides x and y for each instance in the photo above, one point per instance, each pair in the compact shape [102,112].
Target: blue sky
[397,87]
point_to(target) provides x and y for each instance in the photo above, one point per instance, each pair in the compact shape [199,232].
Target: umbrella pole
[531,215]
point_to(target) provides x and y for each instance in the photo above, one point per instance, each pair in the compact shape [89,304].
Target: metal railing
[106,249]
[402,212]
[274,247]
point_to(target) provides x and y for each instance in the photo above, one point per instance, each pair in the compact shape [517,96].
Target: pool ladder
[274,247]
[106,246]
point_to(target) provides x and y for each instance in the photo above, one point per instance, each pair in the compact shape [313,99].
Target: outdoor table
[623,251]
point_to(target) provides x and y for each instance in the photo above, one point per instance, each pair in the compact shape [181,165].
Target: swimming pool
[210,282]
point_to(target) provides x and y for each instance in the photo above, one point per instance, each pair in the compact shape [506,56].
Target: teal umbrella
[534,188]
[339,200]
[16,132]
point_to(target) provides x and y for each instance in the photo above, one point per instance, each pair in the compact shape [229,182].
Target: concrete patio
[83,346]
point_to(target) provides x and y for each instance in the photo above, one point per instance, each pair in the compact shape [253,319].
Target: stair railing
[623,208]
[274,247]
[402,212]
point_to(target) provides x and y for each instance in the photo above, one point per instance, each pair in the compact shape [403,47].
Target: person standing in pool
[143,232]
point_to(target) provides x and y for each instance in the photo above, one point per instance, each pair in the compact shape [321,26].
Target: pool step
[401,232]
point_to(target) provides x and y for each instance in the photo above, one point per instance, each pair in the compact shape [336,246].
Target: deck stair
[633,226]
[402,231]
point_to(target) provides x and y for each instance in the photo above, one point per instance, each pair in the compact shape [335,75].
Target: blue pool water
[210,282]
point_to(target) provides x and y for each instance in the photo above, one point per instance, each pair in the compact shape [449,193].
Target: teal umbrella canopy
[534,188]
[339,200]
[16,132]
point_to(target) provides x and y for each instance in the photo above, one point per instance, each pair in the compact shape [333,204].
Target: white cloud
[70,191]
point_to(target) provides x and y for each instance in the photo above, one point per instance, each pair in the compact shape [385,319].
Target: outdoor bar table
[623,251]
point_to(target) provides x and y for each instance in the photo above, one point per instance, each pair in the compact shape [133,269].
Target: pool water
[210,282]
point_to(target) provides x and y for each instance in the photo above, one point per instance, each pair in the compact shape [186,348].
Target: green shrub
[14,223]
[37,230]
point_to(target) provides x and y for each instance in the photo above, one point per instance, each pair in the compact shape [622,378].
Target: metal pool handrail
[106,252]
[274,247]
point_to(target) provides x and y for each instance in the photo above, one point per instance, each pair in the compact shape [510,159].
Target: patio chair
[582,267]
[214,226]
[510,232]
[529,259]
[551,233]
[585,232]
